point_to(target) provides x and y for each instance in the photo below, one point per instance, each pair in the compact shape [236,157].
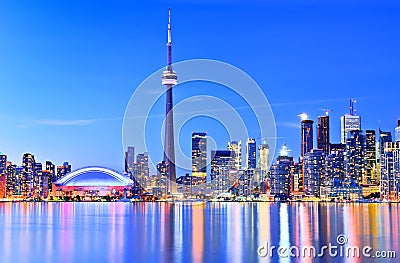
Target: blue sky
[68,69]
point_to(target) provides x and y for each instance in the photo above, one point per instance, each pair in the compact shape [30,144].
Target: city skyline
[48,114]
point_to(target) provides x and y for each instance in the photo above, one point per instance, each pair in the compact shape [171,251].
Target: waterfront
[189,232]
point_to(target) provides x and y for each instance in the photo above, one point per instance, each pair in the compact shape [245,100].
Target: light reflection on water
[209,232]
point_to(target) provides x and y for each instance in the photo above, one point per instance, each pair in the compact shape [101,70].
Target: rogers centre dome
[91,179]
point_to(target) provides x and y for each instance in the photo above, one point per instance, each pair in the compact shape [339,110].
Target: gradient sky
[68,69]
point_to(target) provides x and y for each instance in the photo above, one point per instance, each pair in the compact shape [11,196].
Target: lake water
[209,232]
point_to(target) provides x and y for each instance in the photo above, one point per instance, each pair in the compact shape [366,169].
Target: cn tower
[169,79]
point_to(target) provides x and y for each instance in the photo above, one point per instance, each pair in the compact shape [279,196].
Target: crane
[303,116]
[327,111]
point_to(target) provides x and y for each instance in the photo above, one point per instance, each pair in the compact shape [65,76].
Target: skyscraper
[251,151]
[334,174]
[390,172]
[28,172]
[306,136]
[199,155]
[63,170]
[169,79]
[263,162]
[129,159]
[236,148]
[3,175]
[12,183]
[221,166]
[397,132]
[349,123]
[140,170]
[323,133]
[314,172]
[281,181]
[162,177]
[355,161]
[371,165]
[384,137]
[51,173]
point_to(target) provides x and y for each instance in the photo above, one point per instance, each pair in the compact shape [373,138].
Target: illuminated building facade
[263,162]
[349,123]
[355,157]
[62,170]
[28,173]
[140,170]
[280,178]
[314,172]
[236,148]
[390,172]
[51,174]
[384,137]
[11,182]
[3,175]
[162,179]
[199,156]
[251,152]
[222,164]
[372,175]
[397,132]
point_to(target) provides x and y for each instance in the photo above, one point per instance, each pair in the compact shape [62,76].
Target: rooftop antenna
[353,110]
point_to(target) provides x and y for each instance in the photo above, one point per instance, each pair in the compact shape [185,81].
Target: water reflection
[208,232]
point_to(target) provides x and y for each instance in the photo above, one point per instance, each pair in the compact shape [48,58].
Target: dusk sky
[68,69]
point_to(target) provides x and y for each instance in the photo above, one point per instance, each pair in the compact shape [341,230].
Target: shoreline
[204,201]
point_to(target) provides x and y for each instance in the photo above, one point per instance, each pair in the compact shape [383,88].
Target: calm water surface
[210,232]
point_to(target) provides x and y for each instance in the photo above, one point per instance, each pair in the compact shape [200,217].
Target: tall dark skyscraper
[129,159]
[370,149]
[306,136]
[251,154]
[199,155]
[323,133]
[169,79]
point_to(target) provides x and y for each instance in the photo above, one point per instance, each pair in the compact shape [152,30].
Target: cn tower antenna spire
[169,43]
